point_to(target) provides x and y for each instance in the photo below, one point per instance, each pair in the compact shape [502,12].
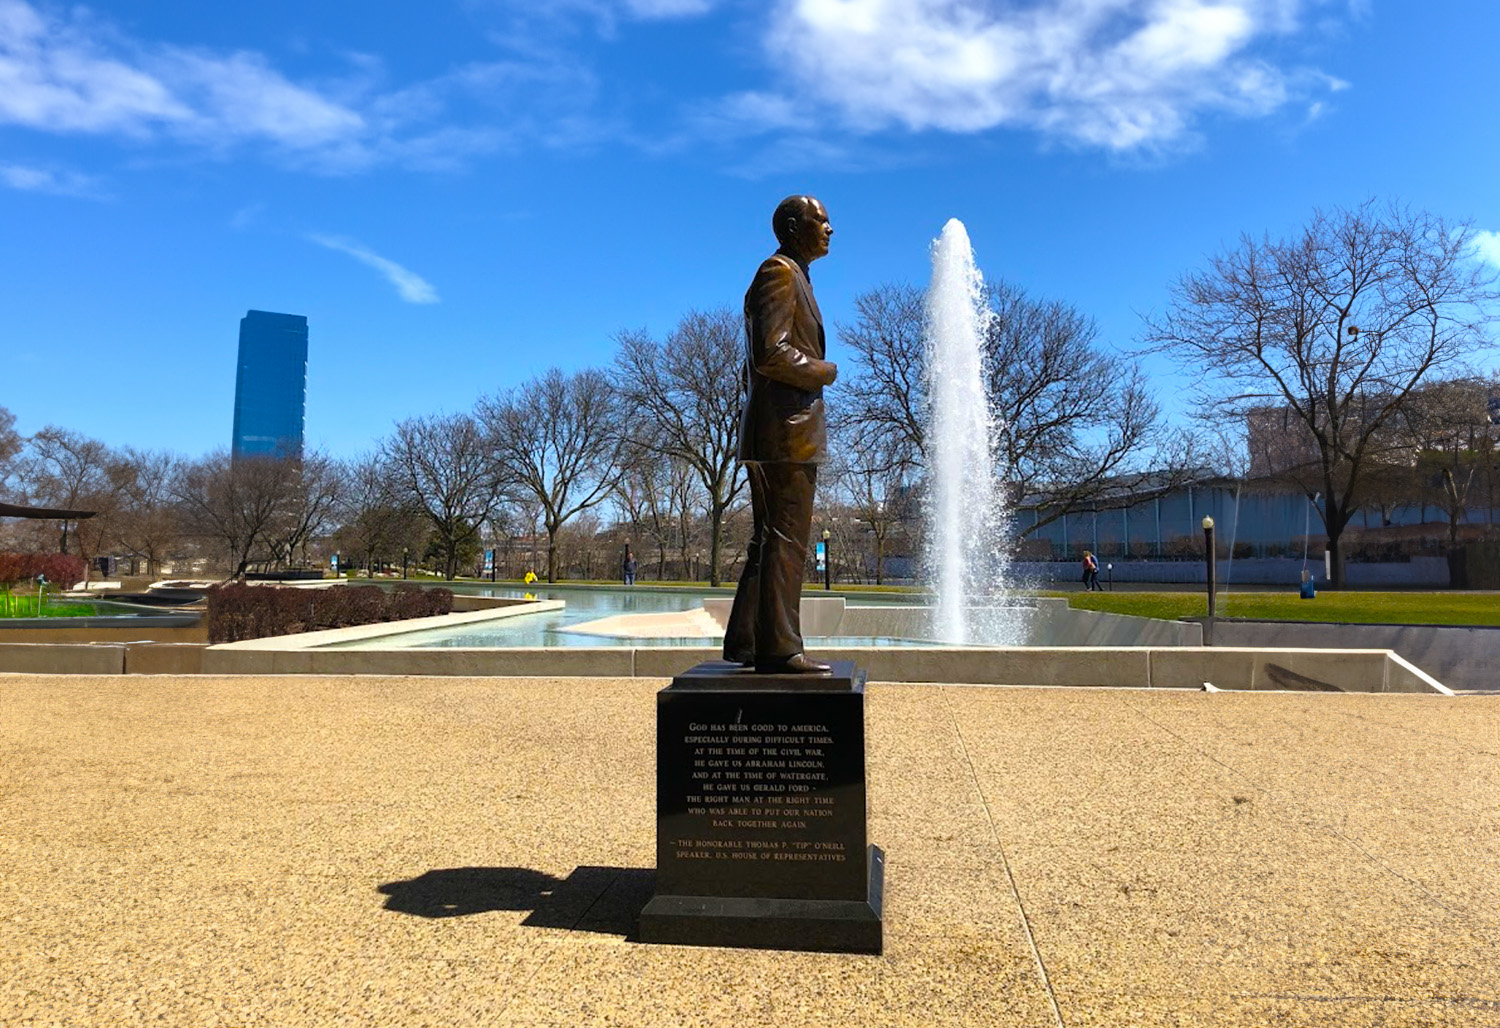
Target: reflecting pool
[552,628]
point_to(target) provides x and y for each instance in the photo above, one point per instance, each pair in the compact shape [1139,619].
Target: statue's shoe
[796,664]
[742,659]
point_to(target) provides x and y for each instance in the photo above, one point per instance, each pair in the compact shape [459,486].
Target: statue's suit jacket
[785,371]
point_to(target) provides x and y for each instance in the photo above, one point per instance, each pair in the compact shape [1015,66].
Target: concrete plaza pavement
[196,851]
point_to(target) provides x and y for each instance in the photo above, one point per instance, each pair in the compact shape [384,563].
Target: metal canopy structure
[11,510]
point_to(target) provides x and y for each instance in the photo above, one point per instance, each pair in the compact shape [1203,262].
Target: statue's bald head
[801,227]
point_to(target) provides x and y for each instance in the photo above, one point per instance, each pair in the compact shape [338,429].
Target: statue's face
[814,232]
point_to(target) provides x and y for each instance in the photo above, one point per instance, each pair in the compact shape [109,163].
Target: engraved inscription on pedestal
[754,782]
[761,796]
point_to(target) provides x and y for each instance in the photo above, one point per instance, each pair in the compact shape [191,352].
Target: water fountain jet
[966,517]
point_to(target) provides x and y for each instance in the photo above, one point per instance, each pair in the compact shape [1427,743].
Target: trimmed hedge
[237,611]
[61,569]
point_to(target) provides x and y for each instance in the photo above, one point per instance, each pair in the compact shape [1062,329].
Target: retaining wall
[1141,667]
[1459,656]
[111,658]
[1056,624]
[169,633]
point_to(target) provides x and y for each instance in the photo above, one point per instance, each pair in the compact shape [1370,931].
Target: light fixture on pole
[1211,563]
[827,560]
[405,555]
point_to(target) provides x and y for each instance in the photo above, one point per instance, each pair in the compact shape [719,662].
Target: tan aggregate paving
[440,851]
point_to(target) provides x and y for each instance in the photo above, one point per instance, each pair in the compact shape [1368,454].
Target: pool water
[550,628]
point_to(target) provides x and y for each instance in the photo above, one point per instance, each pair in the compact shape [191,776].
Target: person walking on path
[628,567]
[1091,572]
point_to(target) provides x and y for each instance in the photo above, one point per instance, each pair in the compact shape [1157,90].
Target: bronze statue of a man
[783,439]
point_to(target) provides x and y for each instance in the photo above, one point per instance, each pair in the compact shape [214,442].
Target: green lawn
[23,605]
[1448,608]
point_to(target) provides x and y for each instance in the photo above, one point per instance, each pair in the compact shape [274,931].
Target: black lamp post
[1211,562]
[827,560]
[405,555]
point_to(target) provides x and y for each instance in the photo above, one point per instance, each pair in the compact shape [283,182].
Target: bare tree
[1338,325]
[872,489]
[580,548]
[236,503]
[884,399]
[1450,431]
[441,467]
[642,496]
[147,523]
[558,439]
[1071,416]
[683,503]
[62,468]
[314,490]
[10,443]
[516,521]
[376,521]
[687,393]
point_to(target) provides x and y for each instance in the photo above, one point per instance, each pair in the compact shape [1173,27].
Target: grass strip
[1410,608]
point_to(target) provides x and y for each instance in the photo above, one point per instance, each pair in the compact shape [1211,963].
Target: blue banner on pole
[822,552]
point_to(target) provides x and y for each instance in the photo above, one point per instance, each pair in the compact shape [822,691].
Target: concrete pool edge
[1144,667]
[1162,667]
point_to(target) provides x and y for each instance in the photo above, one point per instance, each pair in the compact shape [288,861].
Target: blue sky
[462,193]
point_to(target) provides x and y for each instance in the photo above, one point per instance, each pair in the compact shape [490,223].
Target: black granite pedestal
[760,813]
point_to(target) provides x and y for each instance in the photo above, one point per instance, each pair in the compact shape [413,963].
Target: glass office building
[270,388]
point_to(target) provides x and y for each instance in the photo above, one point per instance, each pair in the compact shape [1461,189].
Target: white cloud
[81,77]
[413,288]
[56,77]
[45,180]
[52,77]
[1119,74]
[240,96]
[1487,247]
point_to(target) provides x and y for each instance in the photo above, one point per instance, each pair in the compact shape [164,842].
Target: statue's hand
[833,373]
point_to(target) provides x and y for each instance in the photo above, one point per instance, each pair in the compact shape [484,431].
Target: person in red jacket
[1091,572]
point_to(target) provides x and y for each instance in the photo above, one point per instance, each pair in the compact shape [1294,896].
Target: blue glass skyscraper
[270,388]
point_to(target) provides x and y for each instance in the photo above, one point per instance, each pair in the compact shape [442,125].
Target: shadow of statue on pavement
[607,900]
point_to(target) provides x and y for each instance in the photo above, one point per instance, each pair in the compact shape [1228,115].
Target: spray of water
[966,518]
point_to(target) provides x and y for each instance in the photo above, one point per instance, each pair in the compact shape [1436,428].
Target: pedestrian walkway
[442,851]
